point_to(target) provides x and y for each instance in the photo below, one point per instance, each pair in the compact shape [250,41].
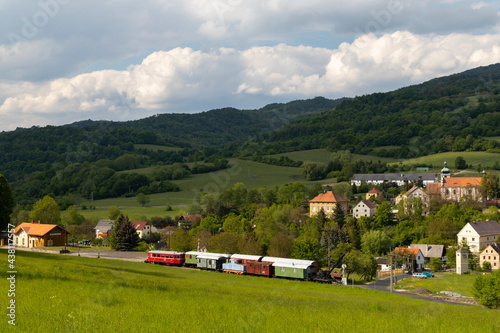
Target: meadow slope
[57,293]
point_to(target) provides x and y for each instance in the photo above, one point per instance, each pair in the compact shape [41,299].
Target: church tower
[445,173]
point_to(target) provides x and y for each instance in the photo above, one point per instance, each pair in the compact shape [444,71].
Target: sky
[63,61]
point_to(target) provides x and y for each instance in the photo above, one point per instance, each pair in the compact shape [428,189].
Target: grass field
[324,156]
[57,293]
[474,158]
[252,174]
[461,284]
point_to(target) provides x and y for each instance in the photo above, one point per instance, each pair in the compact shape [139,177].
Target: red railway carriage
[260,268]
[166,257]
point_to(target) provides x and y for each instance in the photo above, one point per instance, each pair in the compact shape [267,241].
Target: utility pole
[390,255]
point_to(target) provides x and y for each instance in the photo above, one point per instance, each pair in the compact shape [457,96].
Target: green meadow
[324,156]
[252,174]
[461,284]
[471,157]
[57,293]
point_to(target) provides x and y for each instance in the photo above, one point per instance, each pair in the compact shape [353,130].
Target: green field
[461,284]
[324,156]
[252,174]
[57,293]
[474,158]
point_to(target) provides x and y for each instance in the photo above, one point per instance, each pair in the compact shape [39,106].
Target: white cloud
[183,79]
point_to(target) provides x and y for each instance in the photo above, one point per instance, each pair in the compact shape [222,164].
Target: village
[477,243]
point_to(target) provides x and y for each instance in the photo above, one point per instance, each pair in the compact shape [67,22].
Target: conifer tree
[114,231]
[127,238]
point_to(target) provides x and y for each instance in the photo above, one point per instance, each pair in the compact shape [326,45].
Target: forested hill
[450,113]
[34,160]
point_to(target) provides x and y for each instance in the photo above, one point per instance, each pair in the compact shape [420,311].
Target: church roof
[461,181]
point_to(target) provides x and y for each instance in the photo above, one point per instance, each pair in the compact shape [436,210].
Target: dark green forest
[454,113]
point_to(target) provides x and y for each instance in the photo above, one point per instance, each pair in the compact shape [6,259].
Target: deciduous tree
[46,210]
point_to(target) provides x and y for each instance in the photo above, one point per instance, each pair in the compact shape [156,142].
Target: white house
[364,208]
[143,228]
[415,254]
[400,179]
[478,235]
[103,228]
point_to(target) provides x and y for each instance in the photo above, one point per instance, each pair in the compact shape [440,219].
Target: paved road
[384,285]
[106,254]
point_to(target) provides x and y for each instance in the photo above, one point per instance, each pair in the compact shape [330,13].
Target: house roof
[374,190]
[496,247]
[410,191]
[461,181]
[103,225]
[393,177]
[429,250]
[368,204]
[36,229]
[139,225]
[404,249]
[328,196]
[485,228]
[190,217]
[434,188]
[462,250]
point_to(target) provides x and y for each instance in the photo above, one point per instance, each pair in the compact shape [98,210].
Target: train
[243,264]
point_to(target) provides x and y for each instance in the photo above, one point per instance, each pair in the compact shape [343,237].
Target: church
[456,188]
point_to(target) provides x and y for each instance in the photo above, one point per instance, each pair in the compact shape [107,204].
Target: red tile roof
[462,181]
[139,225]
[374,190]
[35,229]
[328,196]
[414,252]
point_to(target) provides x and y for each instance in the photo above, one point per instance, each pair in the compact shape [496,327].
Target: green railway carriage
[191,258]
[293,271]
[212,261]
[293,268]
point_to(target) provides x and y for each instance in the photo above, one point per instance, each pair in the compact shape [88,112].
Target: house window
[473,238]
[484,257]
[489,257]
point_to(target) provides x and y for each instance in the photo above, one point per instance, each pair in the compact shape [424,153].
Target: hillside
[84,157]
[110,295]
[452,113]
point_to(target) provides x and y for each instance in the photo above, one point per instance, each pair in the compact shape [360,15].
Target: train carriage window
[295,270]
[282,269]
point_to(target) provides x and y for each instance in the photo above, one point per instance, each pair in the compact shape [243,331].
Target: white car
[419,275]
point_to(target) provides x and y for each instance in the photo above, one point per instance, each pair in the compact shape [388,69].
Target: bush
[486,289]
[143,247]
[487,266]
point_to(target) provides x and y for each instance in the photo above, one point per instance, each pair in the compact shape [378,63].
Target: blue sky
[65,60]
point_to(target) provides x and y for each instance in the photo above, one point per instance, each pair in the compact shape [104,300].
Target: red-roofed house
[143,228]
[39,235]
[326,201]
[376,193]
[416,254]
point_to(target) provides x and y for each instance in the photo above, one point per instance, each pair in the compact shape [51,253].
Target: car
[428,274]
[419,276]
